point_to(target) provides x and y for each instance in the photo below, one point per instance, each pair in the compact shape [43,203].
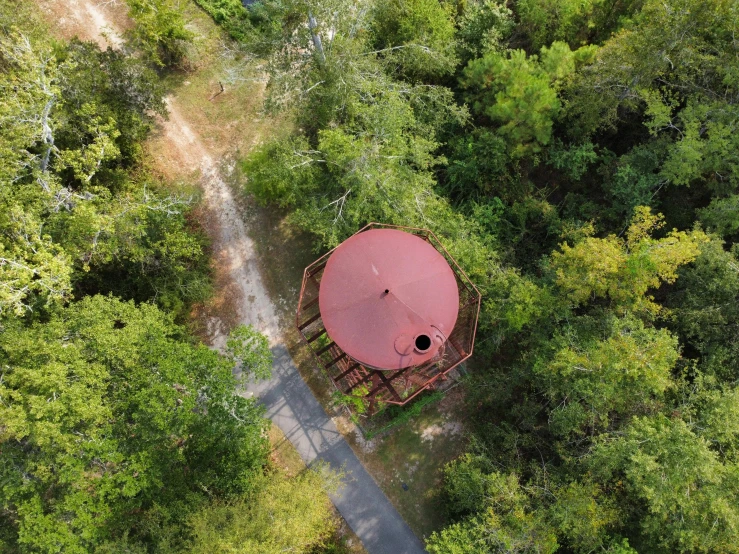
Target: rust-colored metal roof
[388,298]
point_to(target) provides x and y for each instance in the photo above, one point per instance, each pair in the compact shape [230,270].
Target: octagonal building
[388,310]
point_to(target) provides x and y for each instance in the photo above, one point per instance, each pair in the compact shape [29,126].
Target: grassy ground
[69,18]
[406,462]
[227,121]
[283,455]
[286,458]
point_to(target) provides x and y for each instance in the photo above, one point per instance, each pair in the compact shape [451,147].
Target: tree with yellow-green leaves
[160,31]
[282,515]
[114,424]
[623,270]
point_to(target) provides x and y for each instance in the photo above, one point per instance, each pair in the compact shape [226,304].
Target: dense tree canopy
[579,159]
[73,135]
[107,411]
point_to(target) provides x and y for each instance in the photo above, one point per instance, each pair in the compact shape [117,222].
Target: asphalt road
[292,407]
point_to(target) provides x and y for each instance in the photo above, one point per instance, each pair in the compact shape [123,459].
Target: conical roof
[388,298]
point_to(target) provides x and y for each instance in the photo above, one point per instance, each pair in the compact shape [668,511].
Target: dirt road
[233,248]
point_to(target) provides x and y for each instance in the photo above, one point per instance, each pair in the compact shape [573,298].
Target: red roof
[388,298]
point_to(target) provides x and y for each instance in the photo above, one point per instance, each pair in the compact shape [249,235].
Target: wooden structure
[389,313]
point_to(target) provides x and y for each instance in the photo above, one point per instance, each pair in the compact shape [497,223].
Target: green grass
[229,14]
[412,456]
[403,415]
[283,454]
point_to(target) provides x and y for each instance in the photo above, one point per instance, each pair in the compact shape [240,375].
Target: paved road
[293,408]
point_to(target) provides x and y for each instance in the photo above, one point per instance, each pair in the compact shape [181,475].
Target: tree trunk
[316,38]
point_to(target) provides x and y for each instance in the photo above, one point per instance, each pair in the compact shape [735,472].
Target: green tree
[110,412]
[635,180]
[592,382]
[505,521]
[670,71]
[575,22]
[72,216]
[722,216]
[160,31]
[232,15]
[624,269]
[584,515]
[415,35]
[579,516]
[109,85]
[283,515]
[478,166]
[141,245]
[484,26]
[687,498]
[377,166]
[704,302]
[34,271]
[519,92]
[718,410]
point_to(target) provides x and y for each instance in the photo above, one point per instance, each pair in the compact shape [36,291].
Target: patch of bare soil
[103,22]
[234,252]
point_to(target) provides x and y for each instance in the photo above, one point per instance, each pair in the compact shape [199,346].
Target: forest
[579,158]
[120,431]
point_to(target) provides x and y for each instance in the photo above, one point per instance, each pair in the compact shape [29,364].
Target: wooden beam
[347,372]
[309,304]
[311,320]
[336,359]
[361,381]
[314,337]
[325,348]
[390,387]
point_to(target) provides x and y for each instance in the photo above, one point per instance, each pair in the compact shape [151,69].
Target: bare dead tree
[317,44]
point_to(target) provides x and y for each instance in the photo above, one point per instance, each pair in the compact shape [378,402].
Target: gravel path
[289,402]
